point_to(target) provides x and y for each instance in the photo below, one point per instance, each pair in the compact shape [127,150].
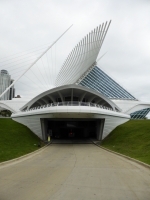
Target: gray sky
[28,24]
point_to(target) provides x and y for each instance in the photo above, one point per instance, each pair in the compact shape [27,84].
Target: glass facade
[140,114]
[101,82]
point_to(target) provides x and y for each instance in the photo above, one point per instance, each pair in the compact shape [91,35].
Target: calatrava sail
[83,56]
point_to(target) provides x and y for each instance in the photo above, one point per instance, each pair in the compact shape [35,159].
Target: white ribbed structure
[83,56]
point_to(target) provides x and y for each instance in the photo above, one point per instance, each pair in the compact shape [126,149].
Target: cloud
[28,24]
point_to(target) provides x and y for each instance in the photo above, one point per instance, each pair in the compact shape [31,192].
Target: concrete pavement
[74,172]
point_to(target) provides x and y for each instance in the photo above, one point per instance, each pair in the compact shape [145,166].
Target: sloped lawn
[131,139]
[16,140]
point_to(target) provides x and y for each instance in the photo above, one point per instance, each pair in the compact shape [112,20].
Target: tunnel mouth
[72,129]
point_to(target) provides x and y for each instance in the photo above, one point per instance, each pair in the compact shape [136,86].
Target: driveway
[74,172]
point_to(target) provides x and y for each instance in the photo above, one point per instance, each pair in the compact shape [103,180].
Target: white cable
[34,62]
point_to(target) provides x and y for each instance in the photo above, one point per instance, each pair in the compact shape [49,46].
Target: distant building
[6,81]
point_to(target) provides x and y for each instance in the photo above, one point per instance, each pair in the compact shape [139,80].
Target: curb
[127,157]
[24,156]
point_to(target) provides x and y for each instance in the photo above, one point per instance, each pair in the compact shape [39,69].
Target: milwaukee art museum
[85,101]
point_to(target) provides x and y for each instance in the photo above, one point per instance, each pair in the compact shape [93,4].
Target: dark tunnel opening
[66,129]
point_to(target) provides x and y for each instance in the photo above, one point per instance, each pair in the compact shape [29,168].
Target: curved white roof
[13,105]
[62,91]
[130,106]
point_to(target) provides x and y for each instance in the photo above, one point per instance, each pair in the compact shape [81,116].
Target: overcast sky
[29,24]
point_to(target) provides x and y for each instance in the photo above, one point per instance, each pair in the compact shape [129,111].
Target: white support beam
[52,99]
[99,100]
[43,99]
[61,96]
[82,97]
[92,98]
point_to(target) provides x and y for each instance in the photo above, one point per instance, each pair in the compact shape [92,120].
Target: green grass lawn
[15,140]
[131,139]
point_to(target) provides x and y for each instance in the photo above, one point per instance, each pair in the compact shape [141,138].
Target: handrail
[70,103]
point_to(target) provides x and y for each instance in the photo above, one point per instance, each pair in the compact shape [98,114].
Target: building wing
[98,80]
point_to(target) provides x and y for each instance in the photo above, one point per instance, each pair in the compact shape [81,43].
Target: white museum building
[85,102]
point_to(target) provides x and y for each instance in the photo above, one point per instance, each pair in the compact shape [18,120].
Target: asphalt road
[74,172]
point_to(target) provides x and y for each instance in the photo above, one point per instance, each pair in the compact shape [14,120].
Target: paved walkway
[74,172]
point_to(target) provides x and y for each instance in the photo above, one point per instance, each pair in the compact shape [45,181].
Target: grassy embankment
[15,140]
[131,139]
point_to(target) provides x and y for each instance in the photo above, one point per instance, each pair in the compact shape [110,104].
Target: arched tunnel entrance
[66,129]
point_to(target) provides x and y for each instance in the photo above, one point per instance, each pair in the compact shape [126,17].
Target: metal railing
[69,103]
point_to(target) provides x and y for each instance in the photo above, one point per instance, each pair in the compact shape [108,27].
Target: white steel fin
[84,56]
